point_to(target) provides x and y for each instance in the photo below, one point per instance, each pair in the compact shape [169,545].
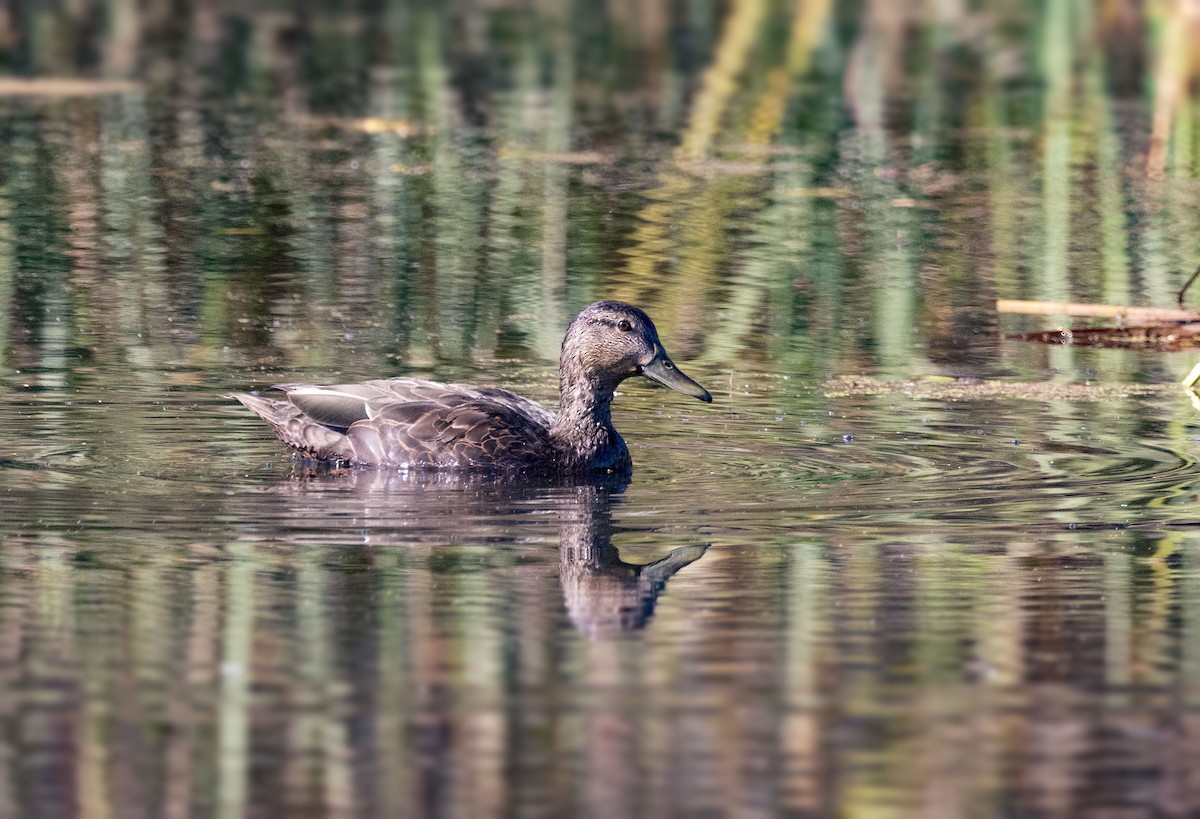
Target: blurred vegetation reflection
[442,185]
[805,604]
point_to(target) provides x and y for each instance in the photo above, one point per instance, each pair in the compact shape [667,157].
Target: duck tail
[303,435]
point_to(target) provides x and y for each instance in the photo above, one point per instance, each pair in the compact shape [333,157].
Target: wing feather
[411,422]
[332,407]
[296,430]
[476,433]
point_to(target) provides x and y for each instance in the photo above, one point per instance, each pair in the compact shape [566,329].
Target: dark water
[809,600]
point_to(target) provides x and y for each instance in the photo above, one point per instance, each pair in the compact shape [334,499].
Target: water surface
[807,601]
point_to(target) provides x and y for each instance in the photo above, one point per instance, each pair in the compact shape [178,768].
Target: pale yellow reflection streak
[1154,636]
[1118,624]
[810,22]
[16,601]
[683,231]
[947,592]
[482,727]
[96,685]
[554,196]
[782,225]
[1114,248]
[94,304]
[233,744]
[1057,54]
[121,43]
[455,230]
[1056,193]
[698,211]
[1000,631]
[889,230]
[319,756]
[140,690]
[1177,214]
[606,735]
[1189,609]
[1171,74]
[191,695]
[1000,160]
[133,269]
[800,727]
[1185,777]
[719,81]
[503,219]
[859,586]
[392,704]
[680,235]
[391,200]
[337,753]
[872,70]
[426,645]
[7,264]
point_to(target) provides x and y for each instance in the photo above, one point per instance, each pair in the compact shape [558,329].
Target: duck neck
[583,429]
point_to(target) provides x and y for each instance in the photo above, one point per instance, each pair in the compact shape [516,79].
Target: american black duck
[419,424]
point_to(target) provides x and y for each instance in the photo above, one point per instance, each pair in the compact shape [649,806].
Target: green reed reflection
[235,669]
[398,219]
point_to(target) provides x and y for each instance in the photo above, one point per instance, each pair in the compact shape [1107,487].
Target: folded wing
[410,422]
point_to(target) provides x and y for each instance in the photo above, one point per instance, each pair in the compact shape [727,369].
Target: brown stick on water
[63,87]
[1118,311]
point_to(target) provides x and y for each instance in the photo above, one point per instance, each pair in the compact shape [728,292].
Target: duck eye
[624,326]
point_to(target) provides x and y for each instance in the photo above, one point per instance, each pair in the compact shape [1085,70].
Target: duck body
[413,423]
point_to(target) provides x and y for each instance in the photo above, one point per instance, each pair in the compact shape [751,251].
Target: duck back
[410,423]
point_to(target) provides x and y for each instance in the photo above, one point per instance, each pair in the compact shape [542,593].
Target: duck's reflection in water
[604,596]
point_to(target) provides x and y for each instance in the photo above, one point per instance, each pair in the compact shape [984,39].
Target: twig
[1184,289]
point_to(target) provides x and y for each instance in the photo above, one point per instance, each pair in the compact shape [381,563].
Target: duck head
[610,341]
